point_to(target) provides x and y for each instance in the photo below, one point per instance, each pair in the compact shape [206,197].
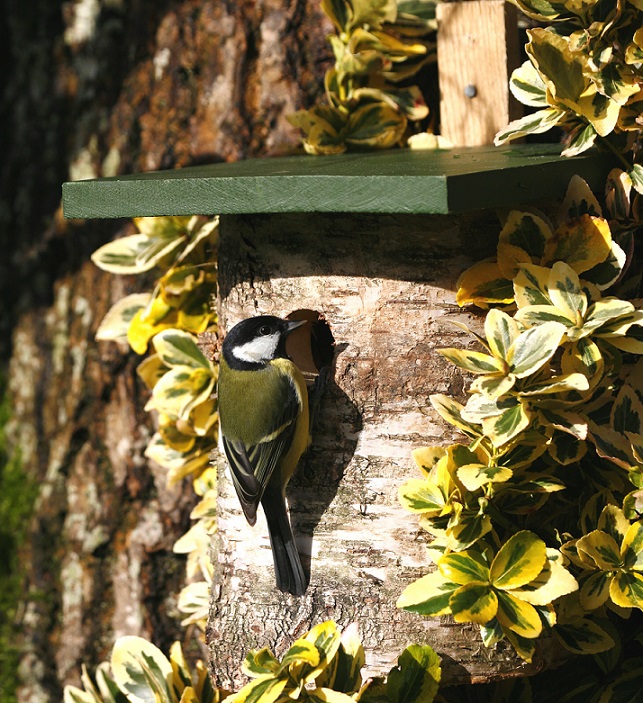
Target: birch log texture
[386,286]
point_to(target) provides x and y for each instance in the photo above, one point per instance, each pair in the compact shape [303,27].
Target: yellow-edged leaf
[518,616]
[595,590]
[534,347]
[474,476]
[530,285]
[421,496]
[473,361]
[518,561]
[501,331]
[551,583]
[602,549]
[464,567]
[583,636]
[526,231]
[265,689]
[483,283]
[416,677]
[474,602]
[428,595]
[581,243]
[632,547]
[426,458]
[626,589]
[142,671]
[565,292]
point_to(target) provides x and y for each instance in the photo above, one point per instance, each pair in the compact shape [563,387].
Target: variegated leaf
[627,687]
[180,390]
[467,530]
[536,315]
[482,284]
[583,357]
[565,292]
[595,590]
[142,671]
[534,348]
[501,331]
[326,637]
[527,86]
[493,387]
[135,253]
[328,695]
[636,176]
[510,259]
[504,427]
[530,286]
[518,616]
[416,677]
[451,411]
[428,595]
[565,449]
[177,348]
[534,123]
[606,273]
[265,689]
[526,231]
[580,244]
[421,496]
[301,652]
[116,322]
[474,602]
[343,672]
[632,547]
[525,647]
[579,200]
[583,636]
[260,662]
[626,589]
[627,412]
[557,384]
[473,361]
[426,458]
[518,561]
[602,549]
[464,567]
[474,476]
[554,581]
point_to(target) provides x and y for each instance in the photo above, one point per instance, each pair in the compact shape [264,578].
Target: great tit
[264,420]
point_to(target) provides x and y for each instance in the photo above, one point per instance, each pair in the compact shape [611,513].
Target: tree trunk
[386,286]
[98,88]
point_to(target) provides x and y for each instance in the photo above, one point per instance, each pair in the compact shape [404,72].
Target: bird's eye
[265,330]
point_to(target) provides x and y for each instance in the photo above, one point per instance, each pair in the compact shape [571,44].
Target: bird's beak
[294,324]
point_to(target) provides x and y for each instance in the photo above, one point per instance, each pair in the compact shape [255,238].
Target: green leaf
[626,688]
[428,595]
[518,561]
[416,677]
[583,636]
[474,602]
[375,125]
[464,567]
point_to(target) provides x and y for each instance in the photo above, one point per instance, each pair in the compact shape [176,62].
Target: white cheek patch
[258,350]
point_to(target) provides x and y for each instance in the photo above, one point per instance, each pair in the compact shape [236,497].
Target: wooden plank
[477,51]
[393,181]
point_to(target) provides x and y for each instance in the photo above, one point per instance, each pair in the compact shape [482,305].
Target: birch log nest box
[370,246]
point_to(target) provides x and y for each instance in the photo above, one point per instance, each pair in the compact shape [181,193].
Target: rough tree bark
[386,286]
[100,87]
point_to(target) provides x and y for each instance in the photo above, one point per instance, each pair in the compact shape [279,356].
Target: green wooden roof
[393,181]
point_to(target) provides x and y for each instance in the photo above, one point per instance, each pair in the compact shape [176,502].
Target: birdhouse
[369,247]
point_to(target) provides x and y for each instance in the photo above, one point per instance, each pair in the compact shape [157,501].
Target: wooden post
[477,51]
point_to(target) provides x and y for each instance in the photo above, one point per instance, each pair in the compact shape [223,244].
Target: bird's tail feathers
[289,572]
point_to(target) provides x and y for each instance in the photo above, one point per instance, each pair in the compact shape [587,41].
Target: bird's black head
[254,342]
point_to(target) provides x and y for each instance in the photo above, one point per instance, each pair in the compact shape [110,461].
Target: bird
[265,429]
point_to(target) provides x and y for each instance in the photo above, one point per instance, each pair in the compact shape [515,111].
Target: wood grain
[477,51]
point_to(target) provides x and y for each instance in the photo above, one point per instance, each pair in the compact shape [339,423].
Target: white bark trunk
[386,285]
